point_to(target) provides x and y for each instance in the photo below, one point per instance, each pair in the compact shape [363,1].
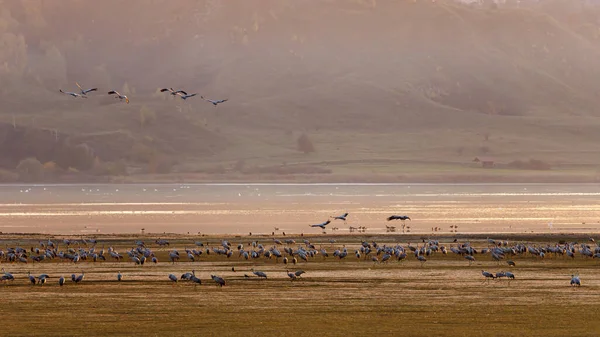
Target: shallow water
[222,192]
[266,208]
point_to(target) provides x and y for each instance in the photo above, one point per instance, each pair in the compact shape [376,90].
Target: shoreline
[451,177]
[320,238]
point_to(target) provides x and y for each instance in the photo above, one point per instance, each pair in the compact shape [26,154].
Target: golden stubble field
[348,297]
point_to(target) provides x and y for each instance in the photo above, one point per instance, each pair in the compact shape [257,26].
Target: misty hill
[377,87]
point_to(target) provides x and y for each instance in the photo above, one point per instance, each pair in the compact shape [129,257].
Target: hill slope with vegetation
[319,90]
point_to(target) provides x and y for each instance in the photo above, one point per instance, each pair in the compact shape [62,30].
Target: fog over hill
[375,87]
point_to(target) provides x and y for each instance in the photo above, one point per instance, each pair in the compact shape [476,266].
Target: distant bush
[304,144]
[50,166]
[51,170]
[30,170]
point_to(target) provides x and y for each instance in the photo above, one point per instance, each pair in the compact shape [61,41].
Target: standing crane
[259,273]
[219,280]
[575,280]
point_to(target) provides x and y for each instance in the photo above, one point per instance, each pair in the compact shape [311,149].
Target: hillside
[396,89]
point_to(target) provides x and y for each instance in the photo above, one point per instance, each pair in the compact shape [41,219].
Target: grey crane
[119,276]
[487,275]
[321,225]
[219,280]
[7,275]
[470,258]
[80,277]
[341,217]
[173,92]
[31,278]
[292,276]
[214,102]
[299,272]
[511,263]
[509,276]
[575,280]
[186,276]
[70,93]
[61,281]
[195,279]
[119,96]
[186,96]
[174,256]
[398,217]
[173,278]
[42,279]
[85,91]
[259,273]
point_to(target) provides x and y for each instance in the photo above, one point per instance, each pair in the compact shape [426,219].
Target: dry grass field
[334,297]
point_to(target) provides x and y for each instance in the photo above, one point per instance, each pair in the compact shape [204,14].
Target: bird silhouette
[119,96]
[214,102]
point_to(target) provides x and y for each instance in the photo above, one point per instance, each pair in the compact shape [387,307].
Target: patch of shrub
[30,170]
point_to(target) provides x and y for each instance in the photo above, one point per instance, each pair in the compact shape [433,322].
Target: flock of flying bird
[184,95]
[288,252]
[344,217]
